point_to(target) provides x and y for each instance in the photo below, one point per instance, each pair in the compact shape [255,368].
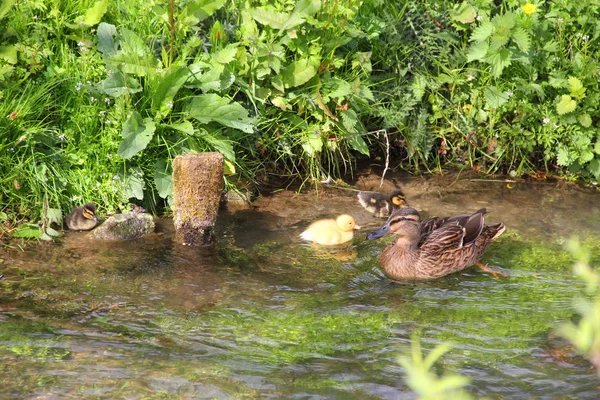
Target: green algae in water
[280,336]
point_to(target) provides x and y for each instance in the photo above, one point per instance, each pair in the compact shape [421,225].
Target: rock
[126,226]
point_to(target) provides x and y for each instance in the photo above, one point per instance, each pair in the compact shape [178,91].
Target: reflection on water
[264,315]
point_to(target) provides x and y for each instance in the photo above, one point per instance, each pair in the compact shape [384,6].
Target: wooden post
[197,187]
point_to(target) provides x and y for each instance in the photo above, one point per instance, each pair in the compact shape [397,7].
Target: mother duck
[436,246]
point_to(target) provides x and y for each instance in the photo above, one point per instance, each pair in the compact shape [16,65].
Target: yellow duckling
[382,205]
[331,231]
[82,218]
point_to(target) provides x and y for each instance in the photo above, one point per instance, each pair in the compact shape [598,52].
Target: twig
[387,155]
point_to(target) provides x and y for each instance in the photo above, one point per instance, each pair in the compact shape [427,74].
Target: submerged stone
[126,226]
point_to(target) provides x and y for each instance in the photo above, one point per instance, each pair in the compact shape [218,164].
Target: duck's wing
[473,224]
[448,237]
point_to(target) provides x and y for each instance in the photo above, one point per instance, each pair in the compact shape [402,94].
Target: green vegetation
[585,334]
[427,385]
[99,96]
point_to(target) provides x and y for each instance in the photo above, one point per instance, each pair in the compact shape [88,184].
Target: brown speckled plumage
[82,218]
[435,247]
[382,205]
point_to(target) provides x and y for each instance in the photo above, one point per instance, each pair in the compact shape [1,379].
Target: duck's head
[402,222]
[398,199]
[346,223]
[89,211]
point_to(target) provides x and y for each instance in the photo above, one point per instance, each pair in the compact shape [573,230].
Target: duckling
[331,231]
[82,218]
[382,205]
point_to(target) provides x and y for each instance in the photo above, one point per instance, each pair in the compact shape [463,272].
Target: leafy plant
[427,385]
[585,334]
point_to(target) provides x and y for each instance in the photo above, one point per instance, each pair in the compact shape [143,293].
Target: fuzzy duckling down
[380,204]
[331,231]
[82,218]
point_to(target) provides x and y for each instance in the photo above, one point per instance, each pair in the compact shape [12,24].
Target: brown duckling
[82,218]
[331,231]
[436,247]
[382,205]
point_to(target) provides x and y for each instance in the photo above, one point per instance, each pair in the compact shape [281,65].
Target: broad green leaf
[228,167]
[185,127]
[218,142]
[8,54]
[248,29]
[465,13]
[477,51]
[3,216]
[576,88]
[226,55]
[336,88]
[304,8]
[312,143]
[5,7]
[163,178]
[300,72]
[137,133]
[270,17]
[169,85]
[594,168]
[350,121]
[563,157]
[277,83]
[596,149]
[366,92]
[208,108]
[203,9]
[551,46]
[52,232]
[499,60]
[494,98]
[134,57]
[206,76]
[585,120]
[282,103]
[498,41]
[54,215]
[586,156]
[132,183]
[565,105]
[505,22]
[358,143]
[106,38]
[482,32]
[94,14]
[28,231]
[521,38]
[557,80]
[117,84]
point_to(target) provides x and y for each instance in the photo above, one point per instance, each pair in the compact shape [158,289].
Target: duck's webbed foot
[485,268]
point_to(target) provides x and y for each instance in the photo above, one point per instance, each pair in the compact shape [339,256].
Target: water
[263,315]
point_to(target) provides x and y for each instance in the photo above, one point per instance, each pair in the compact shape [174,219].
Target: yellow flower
[529,8]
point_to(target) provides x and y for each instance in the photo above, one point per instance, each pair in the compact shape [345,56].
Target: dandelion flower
[529,8]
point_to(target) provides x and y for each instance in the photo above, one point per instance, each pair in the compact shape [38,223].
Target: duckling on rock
[82,218]
[435,247]
[331,231]
[382,205]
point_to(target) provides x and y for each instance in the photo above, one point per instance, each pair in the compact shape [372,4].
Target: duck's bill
[384,230]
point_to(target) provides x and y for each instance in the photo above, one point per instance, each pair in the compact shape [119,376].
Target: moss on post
[197,187]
